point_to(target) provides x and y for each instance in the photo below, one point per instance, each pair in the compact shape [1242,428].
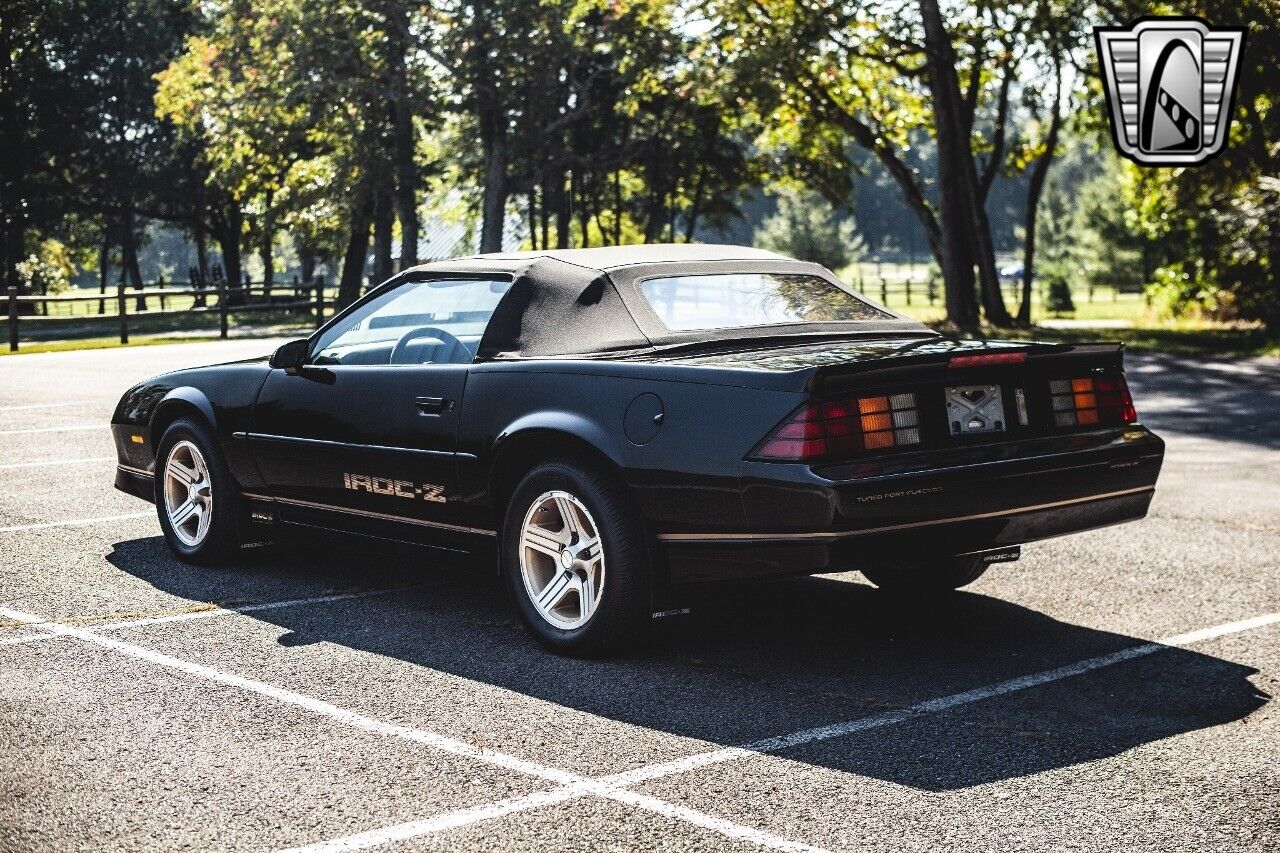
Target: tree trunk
[406,169]
[545,201]
[306,260]
[104,260]
[15,240]
[993,305]
[617,207]
[564,210]
[129,258]
[965,230]
[493,137]
[531,215]
[228,238]
[383,218]
[695,208]
[1035,187]
[578,191]
[266,253]
[202,265]
[353,260]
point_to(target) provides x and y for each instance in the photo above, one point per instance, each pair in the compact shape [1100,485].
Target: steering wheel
[448,339]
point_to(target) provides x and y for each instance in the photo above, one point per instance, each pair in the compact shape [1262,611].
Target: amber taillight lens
[1092,401]
[843,427]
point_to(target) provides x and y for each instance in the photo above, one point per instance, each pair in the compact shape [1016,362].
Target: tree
[806,227]
[601,120]
[83,145]
[885,77]
[304,113]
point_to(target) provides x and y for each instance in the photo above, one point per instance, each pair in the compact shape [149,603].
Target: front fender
[182,399]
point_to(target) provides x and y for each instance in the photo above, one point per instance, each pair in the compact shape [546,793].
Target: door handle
[431,405]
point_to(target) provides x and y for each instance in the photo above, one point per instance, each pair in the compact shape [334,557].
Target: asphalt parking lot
[1112,689]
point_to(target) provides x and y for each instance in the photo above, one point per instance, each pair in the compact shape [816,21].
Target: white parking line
[29,406]
[476,814]
[440,823]
[582,785]
[211,610]
[74,522]
[73,428]
[933,706]
[45,462]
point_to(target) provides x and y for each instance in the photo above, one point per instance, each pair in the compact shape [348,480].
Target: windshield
[735,300]
[422,322]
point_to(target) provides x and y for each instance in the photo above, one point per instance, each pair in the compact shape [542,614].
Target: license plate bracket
[975,409]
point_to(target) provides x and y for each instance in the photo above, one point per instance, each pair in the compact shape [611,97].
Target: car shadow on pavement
[753,661]
[1207,397]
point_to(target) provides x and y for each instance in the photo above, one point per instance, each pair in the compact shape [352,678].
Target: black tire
[940,576]
[221,540]
[620,619]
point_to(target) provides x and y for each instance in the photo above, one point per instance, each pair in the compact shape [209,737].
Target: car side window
[439,321]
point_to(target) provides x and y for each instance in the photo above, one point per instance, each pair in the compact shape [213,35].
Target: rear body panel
[799,521]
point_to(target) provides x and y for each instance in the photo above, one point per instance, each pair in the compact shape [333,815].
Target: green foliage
[1057,298]
[1115,250]
[806,226]
[49,270]
[282,103]
[1061,253]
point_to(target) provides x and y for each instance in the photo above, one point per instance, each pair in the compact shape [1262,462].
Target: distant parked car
[1011,272]
[622,421]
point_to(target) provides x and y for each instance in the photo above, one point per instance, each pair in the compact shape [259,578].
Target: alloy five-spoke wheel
[562,560]
[196,497]
[575,559]
[188,493]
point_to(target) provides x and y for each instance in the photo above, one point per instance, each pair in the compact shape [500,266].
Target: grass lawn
[1124,317]
[106,343]
[1185,337]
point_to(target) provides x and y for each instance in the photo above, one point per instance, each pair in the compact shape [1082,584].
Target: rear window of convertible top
[736,300]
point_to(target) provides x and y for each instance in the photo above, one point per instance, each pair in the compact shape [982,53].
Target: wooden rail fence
[928,291]
[256,297]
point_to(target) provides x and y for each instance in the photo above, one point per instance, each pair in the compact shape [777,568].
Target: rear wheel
[575,560]
[939,576]
[195,495]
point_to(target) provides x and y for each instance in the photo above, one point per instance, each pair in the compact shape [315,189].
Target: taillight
[1090,401]
[991,359]
[843,427]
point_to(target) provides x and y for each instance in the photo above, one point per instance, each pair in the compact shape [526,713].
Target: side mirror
[290,356]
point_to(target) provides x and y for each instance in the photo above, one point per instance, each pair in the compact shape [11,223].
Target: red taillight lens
[1114,399]
[842,427]
[987,359]
[1090,401]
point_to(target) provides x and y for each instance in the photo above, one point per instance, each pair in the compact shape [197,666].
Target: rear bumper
[805,522]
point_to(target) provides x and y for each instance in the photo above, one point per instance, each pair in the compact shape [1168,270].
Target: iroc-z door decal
[395,488]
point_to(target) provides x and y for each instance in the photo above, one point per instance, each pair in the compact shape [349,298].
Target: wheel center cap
[566,559]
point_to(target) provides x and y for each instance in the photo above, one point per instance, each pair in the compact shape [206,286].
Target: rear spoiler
[980,357]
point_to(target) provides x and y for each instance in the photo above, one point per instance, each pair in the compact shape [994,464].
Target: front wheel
[939,576]
[195,495]
[575,560]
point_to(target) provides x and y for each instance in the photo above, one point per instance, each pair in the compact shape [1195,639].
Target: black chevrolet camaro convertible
[622,422]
